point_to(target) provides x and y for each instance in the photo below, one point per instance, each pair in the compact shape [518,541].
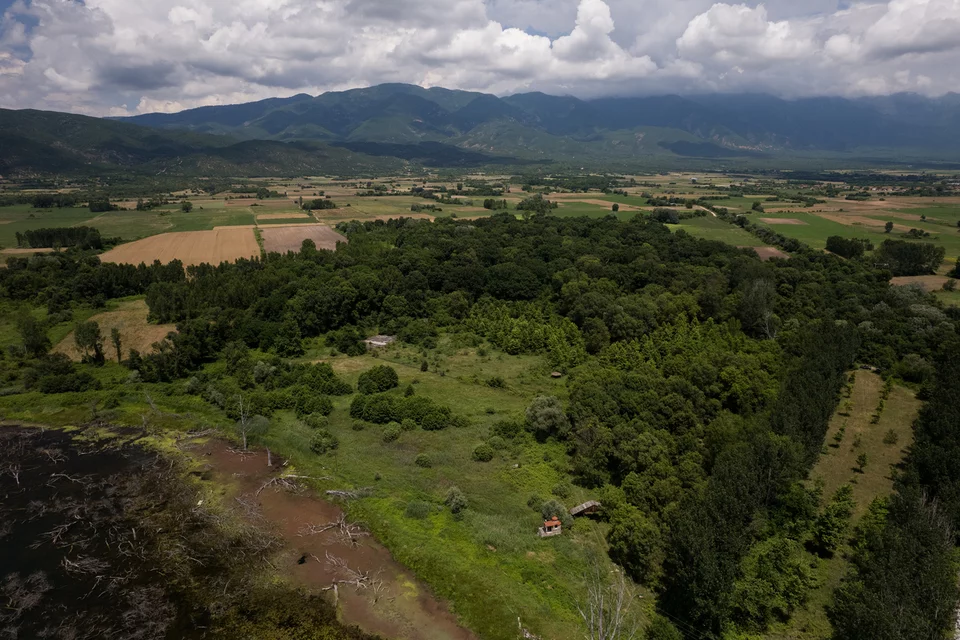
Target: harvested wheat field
[782,221]
[290,238]
[224,244]
[927,283]
[281,216]
[135,331]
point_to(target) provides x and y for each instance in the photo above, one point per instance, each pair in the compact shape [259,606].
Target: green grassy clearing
[836,467]
[711,228]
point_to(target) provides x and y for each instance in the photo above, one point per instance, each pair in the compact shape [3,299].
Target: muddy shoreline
[324,552]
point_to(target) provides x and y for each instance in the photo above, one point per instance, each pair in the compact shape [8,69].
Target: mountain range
[390,127]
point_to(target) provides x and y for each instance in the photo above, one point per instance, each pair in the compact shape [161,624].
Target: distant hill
[536,126]
[44,142]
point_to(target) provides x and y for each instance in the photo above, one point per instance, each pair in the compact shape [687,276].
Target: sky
[123,57]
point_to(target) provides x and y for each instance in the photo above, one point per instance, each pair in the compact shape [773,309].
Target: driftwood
[351,494]
[285,482]
[348,531]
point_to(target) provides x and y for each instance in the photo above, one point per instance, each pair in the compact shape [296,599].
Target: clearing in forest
[853,431]
[768,253]
[135,332]
[290,238]
[225,244]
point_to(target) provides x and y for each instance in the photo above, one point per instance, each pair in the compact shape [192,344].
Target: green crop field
[711,228]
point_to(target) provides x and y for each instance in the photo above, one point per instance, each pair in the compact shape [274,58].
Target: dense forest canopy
[701,381]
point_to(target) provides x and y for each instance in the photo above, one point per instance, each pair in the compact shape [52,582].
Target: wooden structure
[587,508]
[550,528]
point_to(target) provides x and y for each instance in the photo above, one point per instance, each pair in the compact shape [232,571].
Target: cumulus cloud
[132,56]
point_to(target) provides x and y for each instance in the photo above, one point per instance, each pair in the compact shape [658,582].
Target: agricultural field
[290,238]
[190,247]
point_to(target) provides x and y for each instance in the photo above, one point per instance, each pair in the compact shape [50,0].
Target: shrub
[552,508]
[358,425]
[483,453]
[508,429]
[497,382]
[310,403]
[408,425]
[378,379]
[418,509]
[323,441]
[423,461]
[424,366]
[561,490]
[380,409]
[456,500]
[316,421]
[436,420]
[497,443]
[535,502]
[891,437]
[459,422]
[392,432]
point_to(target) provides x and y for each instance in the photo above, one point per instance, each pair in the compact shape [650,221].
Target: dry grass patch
[928,283]
[768,253]
[135,332]
[223,244]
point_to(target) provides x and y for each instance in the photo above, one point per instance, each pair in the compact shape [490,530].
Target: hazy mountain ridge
[744,124]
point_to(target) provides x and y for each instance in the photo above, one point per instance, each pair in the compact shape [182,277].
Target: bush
[562,490]
[891,437]
[378,379]
[309,403]
[507,429]
[546,417]
[423,461]
[497,382]
[392,432]
[497,443]
[552,508]
[358,425]
[535,502]
[483,453]
[418,509]
[408,425]
[456,500]
[316,421]
[323,441]
[436,420]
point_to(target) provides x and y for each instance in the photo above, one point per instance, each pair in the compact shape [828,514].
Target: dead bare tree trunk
[608,608]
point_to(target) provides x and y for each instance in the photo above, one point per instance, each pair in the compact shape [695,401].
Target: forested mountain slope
[724,125]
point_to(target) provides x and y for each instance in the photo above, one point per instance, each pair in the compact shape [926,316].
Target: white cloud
[103,55]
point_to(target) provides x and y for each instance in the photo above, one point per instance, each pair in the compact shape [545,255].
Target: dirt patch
[768,253]
[290,238]
[398,607]
[135,331]
[281,216]
[224,244]
[776,221]
[928,283]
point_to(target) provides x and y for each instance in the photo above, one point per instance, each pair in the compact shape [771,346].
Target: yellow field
[135,331]
[224,244]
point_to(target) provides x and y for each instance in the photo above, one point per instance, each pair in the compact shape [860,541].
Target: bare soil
[393,604]
[768,253]
[224,244]
[853,220]
[290,237]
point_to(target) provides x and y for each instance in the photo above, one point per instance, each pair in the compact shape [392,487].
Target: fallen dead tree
[349,532]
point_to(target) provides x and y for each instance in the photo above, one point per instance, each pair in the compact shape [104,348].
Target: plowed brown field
[224,244]
[283,239]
